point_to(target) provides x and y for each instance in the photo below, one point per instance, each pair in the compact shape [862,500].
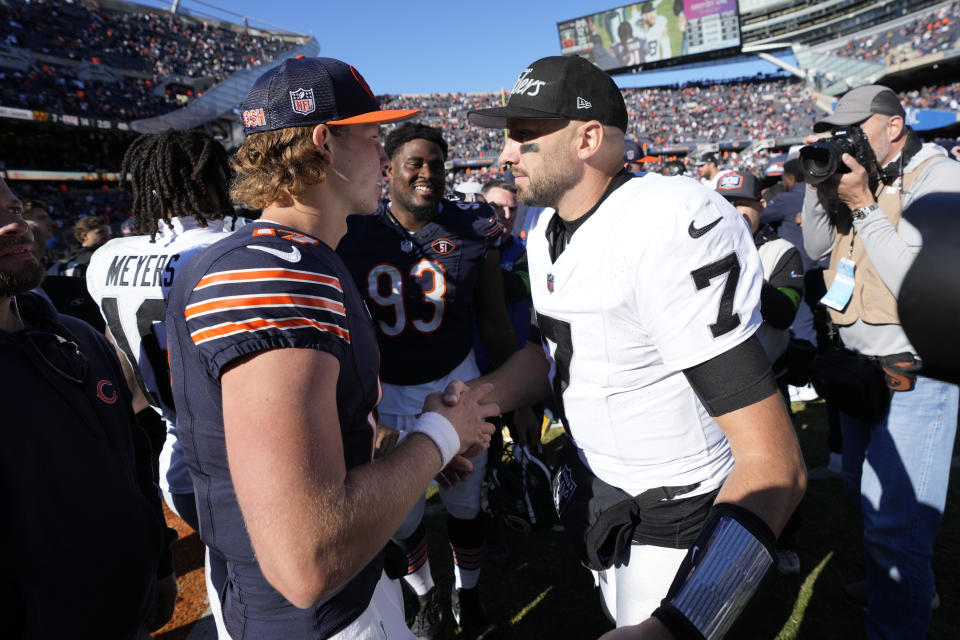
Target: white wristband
[437,428]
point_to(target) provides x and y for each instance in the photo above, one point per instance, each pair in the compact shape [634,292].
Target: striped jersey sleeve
[251,301]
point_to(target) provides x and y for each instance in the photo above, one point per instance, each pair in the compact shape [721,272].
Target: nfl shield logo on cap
[302,101]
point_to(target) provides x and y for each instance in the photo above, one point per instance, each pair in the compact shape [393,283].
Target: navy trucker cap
[309,91]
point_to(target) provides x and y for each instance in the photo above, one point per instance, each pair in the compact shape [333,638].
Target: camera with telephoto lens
[822,159]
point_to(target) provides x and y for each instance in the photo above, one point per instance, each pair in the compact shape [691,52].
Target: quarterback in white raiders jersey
[179,184]
[649,319]
[682,465]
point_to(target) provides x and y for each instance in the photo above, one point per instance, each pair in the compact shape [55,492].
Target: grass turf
[543,592]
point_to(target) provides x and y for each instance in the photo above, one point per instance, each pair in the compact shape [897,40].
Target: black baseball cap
[707,158]
[859,104]
[559,87]
[309,91]
[631,150]
[738,185]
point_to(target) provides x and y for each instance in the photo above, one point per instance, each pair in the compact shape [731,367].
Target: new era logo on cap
[583,104]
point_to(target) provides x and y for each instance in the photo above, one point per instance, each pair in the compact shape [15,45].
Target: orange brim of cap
[372,117]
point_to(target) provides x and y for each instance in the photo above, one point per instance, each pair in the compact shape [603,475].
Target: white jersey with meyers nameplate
[657,38]
[663,276]
[129,279]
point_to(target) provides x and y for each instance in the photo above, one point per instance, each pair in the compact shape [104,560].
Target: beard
[28,275]
[557,176]
[21,277]
[423,213]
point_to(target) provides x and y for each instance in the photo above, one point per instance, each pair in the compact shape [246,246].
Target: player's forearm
[516,286]
[313,523]
[521,381]
[332,535]
[498,336]
[769,475]
[378,496]
[493,322]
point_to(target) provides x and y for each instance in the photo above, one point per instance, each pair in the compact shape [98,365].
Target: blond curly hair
[273,167]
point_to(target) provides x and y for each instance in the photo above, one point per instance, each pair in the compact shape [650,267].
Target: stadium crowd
[738,110]
[56,89]
[158,42]
[156,45]
[927,34]
[946,96]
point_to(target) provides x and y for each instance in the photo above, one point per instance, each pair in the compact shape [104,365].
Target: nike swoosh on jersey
[293,255]
[696,233]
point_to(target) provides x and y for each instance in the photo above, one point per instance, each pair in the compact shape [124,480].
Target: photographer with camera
[898,427]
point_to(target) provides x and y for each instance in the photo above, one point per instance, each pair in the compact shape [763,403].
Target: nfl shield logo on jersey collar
[302,101]
[550,282]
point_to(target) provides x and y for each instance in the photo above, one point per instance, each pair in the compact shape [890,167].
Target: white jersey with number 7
[664,275]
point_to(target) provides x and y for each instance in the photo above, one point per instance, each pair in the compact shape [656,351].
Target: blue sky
[441,46]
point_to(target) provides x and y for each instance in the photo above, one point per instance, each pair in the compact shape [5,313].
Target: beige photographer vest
[872,301]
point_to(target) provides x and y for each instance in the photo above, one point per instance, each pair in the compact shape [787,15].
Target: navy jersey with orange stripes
[267,287]
[419,286]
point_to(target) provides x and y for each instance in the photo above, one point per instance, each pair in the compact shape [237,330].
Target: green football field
[543,592]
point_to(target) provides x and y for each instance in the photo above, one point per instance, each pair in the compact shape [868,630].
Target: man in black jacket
[91,546]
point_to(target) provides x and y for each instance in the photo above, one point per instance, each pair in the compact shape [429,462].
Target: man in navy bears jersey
[428,268]
[647,294]
[274,364]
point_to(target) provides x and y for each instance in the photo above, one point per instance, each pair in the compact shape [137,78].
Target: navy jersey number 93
[419,287]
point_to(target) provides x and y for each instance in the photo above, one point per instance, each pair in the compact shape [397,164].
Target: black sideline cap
[707,158]
[559,87]
[738,185]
